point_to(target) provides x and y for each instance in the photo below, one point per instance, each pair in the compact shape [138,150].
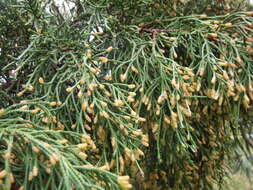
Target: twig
[149,30]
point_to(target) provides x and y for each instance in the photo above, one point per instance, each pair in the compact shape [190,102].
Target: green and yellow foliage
[120,94]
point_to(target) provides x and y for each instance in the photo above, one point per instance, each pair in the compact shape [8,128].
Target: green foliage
[154,97]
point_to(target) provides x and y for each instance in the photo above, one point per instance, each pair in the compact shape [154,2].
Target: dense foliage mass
[122,94]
